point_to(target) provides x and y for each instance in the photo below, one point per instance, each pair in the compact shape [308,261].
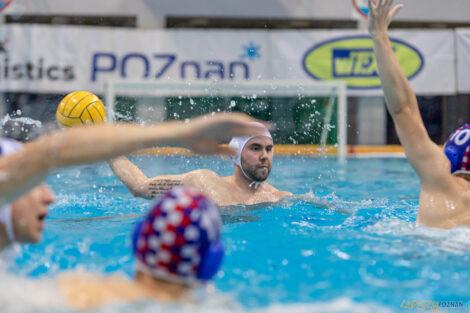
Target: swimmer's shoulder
[86,290]
[283,193]
[202,173]
[200,176]
[277,192]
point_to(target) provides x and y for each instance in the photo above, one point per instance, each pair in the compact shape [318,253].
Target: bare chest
[224,193]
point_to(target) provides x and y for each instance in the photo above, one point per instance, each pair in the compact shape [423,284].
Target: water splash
[19,120]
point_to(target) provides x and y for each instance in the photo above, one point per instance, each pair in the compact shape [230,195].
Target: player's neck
[160,289]
[242,182]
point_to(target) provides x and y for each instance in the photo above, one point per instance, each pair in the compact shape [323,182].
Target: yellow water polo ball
[80,108]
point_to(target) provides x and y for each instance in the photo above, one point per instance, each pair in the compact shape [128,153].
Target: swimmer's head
[179,240]
[457,150]
[253,154]
[8,146]
[23,218]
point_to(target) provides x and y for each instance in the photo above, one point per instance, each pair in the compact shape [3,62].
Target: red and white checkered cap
[171,242]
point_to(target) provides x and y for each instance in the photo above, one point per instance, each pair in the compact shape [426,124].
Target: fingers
[204,148]
[371,6]
[382,4]
[239,124]
[213,149]
[223,126]
[394,12]
[241,117]
[233,117]
[225,150]
[248,130]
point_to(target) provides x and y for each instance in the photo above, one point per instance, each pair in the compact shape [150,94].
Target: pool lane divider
[302,150]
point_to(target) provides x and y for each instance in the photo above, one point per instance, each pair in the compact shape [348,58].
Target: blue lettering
[103,62]
[218,71]
[96,68]
[170,57]
[197,68]
[135,56]
[244,67]
[354,63]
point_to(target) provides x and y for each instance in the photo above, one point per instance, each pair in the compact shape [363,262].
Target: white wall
[371,121]
[152,13]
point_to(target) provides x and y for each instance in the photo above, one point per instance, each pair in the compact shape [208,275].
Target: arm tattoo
[160,186]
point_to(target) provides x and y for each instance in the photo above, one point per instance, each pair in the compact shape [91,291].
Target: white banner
[61,59]
[463,60]
[427,58]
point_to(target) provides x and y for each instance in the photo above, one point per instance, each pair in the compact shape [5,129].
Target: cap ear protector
[457,150]
[235,146]
[453,156]
[211,259]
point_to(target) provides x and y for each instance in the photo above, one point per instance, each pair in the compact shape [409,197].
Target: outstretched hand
[380,15]
[205,133]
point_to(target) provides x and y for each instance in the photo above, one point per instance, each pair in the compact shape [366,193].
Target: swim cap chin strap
[8,146]
[238,143]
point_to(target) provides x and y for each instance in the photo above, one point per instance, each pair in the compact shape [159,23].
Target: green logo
[352,59]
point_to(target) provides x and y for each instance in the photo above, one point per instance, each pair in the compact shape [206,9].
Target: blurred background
[49,48]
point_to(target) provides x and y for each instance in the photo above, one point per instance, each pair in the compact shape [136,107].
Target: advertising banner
[59,59]
[427,58]
[463,60]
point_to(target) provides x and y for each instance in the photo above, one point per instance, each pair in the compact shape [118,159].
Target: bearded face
[257,157]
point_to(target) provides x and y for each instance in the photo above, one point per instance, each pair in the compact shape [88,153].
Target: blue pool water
[365,254]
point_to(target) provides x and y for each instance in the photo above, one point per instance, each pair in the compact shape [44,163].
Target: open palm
[204,134]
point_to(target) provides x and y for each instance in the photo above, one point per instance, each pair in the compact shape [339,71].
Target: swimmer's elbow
[140,192]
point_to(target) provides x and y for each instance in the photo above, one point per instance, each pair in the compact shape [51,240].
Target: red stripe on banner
[4,4]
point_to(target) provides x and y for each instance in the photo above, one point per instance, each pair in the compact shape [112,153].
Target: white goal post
[257,88]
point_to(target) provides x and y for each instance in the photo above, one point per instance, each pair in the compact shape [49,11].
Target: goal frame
[113,88]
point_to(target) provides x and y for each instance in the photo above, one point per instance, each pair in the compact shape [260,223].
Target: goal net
[303,113]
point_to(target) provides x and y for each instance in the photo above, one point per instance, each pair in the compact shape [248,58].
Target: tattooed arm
[161,184]
[138,183]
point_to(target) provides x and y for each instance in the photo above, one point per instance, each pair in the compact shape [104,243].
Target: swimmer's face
[28,213]
[257,157]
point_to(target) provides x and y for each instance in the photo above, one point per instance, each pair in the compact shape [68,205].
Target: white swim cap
[8,146]
[238,143]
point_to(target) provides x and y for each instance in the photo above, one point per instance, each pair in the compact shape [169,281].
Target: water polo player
[24,200]
[253,161]
[22,220]
[445,187]
[177,248]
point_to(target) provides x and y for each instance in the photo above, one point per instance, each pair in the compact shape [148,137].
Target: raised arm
[24,169]
[427,158]
[138,183]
